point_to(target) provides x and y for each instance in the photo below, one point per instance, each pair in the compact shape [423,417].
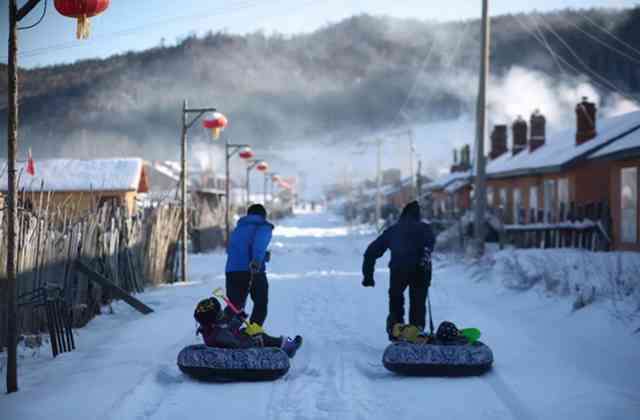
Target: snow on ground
[551,362]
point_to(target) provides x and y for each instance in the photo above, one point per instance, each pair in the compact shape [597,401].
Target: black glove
[368,281]
[254,266]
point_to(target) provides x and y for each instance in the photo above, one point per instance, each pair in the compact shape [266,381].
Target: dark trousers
[418,283]
[240,285]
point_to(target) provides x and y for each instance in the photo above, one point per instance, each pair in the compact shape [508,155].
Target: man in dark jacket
[411,243]
[246,257]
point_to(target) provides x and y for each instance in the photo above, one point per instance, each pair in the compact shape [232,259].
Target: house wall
[588,183]
[78,202]
[615,203]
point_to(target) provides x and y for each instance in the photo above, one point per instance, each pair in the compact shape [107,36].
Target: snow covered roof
[457,184]
[122,174]
[628,143]
[446,180]
[560,148]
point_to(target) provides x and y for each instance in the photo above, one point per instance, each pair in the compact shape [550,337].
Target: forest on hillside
[362,74]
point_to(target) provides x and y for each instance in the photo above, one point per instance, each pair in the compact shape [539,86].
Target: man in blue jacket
[411,243]
[246,257]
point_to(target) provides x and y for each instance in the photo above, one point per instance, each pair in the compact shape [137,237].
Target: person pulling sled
[411,243]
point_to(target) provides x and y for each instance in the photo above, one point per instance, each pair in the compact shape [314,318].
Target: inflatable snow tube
[227,365]
[436,359]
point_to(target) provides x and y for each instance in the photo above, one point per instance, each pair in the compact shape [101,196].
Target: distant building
[81,185]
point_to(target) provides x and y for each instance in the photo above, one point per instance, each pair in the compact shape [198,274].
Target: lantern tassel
[83,28]
[215,133]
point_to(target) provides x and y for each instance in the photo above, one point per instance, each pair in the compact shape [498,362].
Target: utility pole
[250,166]
[186,125]
[15,15]
[480,172]
[411,175]
[378,183]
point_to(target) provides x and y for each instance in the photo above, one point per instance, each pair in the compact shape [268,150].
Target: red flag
[31,165]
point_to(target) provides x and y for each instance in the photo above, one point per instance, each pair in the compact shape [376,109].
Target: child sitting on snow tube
[223,329]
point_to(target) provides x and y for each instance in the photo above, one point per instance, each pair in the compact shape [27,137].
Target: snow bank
[585,276]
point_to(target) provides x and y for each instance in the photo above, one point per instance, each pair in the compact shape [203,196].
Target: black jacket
[410,241]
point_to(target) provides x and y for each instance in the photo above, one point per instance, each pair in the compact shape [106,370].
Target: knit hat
[411,210]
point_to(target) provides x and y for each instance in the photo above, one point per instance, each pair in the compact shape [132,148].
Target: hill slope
[354,75]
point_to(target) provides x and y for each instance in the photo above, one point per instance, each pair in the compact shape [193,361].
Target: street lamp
[186,125]
[244,152]
[261,166]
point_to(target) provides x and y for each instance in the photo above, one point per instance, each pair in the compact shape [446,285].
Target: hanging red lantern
[81,10]
[275,178]
[245,153]
[215,122]
[262,166]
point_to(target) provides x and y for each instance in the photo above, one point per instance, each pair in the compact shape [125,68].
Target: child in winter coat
[223,328]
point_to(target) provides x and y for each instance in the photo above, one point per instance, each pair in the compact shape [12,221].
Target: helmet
[447,331]
[207,311]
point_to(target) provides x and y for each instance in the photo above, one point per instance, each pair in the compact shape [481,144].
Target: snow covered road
[551,363]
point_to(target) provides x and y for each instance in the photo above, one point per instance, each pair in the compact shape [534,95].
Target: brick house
[623,160]
[551,178]
[450,194]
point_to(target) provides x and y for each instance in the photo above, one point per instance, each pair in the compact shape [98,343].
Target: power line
[605,44]
[611,34]
[558,58]
[586,66]
[246,5]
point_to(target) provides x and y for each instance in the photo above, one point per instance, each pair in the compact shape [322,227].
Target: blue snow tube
[438,358]
[229,365]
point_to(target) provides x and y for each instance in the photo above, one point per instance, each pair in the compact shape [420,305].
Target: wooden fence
[586,235]
[130,251]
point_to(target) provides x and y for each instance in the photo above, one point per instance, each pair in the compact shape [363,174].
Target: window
[489,196]
[533,204]
[503,203]
[629,205]
[563,197]
[550,200]
[517,205]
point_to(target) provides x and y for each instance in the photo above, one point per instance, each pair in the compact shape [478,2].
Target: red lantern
[262,166]
[215,122]
[81,10]
[275,178]
[246,153]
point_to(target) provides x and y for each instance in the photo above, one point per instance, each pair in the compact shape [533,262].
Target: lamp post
[245,152]
[261,166]
[186,125]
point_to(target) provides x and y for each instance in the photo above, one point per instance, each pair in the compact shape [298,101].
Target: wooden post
[378,183]
[12,153]
[183,191]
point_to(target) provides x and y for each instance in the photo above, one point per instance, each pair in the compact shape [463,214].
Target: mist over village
[320,209]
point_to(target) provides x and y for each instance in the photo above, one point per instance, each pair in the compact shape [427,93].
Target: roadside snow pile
[587,276]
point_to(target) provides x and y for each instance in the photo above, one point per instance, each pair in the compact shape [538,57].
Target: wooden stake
[12,152]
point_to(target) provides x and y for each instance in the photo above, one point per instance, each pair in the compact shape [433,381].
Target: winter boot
[291,345]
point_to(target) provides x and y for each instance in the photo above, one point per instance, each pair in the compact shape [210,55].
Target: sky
[137,25]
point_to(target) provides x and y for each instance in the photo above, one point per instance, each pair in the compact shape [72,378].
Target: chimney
[586,121]
[498,141]
[465,158]
[538,130]
[519,129]
[455,167]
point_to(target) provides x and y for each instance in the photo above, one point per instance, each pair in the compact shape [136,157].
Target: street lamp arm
[196,118]
[199,110]
[235,148]
[24,10]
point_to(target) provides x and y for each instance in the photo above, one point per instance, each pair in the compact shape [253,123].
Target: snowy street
[550,362]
